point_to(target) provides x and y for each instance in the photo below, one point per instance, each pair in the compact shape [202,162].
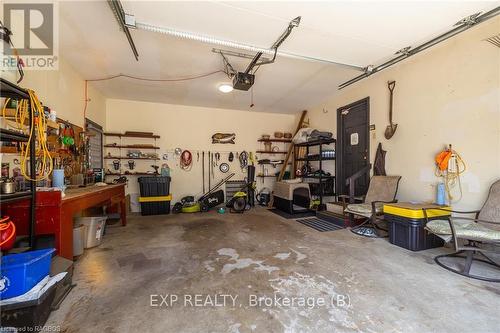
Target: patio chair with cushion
[471,236]
[382,189]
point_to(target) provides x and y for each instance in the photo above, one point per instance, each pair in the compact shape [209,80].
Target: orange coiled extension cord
[4,226]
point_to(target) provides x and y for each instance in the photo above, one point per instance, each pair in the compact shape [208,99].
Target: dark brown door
[353,128]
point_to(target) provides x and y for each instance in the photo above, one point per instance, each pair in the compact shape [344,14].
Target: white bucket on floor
[94,229]
[135,206]
[78,239]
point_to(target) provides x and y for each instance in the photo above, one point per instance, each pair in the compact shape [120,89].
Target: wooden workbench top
[76,193]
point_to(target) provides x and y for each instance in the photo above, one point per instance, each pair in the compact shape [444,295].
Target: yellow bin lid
[414,211]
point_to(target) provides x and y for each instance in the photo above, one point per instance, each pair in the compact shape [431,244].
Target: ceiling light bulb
[225,88]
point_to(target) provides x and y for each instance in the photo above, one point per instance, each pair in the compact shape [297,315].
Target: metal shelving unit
[320,180]
[13,91]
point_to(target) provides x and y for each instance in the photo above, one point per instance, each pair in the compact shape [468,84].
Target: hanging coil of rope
[37,132]
[450,166]
[186,160]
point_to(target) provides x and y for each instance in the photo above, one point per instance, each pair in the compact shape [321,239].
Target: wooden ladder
[292,146]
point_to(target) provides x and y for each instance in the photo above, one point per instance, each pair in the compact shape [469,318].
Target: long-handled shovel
[391,128]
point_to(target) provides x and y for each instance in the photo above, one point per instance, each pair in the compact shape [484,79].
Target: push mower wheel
[239,205]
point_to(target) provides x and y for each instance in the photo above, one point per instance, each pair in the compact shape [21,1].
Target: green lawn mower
[211,199]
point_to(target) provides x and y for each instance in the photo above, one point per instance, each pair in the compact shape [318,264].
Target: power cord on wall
[37,132]
[112,77]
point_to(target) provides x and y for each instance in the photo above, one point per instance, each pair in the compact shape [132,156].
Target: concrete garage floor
[259,253]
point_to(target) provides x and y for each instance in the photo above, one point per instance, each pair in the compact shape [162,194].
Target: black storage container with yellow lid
[407,225]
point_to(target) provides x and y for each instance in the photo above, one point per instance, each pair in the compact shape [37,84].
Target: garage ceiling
[356,33]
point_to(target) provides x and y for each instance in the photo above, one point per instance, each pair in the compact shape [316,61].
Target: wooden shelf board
[131,146]
[132,135]
[275,140]
[131,174]
[50,123]
[270,152]
[131,158]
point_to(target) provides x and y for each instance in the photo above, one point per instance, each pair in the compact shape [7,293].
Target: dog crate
[292,197]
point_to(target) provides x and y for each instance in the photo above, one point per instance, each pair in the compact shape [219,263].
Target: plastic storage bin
[155,208]
[31,315]
[94,229]
[155,187]
[78,239]
[407,225]
[22,271]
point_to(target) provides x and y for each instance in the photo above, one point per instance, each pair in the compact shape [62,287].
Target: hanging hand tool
[391,128]
[209,166]
[213,165]
[217,158]
[155,167]
[203,170]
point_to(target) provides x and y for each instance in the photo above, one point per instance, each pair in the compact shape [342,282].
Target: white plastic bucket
[135,206]
[94,229]
[78,239]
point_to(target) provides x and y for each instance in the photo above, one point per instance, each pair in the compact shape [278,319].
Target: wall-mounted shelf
[315,158]
[131,146]
[132,135]
[120,145]
[275,164]
[130,158]
[275,140]
[131,174]
[270,152]
[283,144]
[318,177]
[50,123]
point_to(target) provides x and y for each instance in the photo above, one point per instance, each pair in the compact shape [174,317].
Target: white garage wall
[191,128]
[448,94]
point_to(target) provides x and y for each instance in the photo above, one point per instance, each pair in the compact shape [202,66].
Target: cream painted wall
[63,91]
[448,94]
[191,128]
